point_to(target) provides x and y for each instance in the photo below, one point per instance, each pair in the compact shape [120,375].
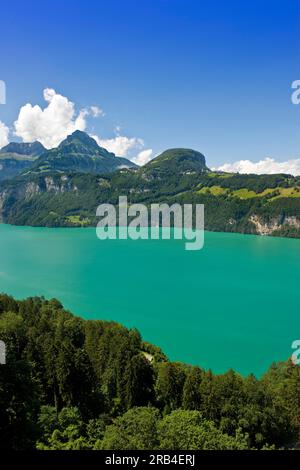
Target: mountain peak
[178,159]
[80,137]
[79,153]
[181,154]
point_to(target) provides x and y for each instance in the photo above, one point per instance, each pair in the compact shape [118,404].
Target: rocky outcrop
[292,221]
[31,189]
[27,189]
[267,227]
[2,200]
[49,184]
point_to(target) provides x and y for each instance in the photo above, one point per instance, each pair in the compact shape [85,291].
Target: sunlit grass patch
[214,190]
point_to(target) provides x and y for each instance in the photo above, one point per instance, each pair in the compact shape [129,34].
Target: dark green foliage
[139,378]
[135,430]
[66,432]
[169,385]
[176,161]
[188,430]
[76,384]
[19,405]
[192,398]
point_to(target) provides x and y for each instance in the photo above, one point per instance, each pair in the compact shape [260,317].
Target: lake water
[233,304]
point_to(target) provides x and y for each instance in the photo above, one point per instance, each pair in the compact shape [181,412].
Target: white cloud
[143,157]
[265,166]
[120,145]
[58,119]
[96,111]
[54,123]
[4,132]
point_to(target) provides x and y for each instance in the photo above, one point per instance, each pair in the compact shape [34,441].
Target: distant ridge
[79,153]
[17,157]
[32,149]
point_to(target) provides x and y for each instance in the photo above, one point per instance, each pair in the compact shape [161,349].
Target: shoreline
[89,227]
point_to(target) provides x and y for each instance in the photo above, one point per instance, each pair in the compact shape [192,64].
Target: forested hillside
[266,204]
[65,185]
[74,384]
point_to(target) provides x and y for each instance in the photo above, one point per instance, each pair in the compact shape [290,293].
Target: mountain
[176,169]
[33,149]
[79,153]
[17,157]
[176,160]
[259,204]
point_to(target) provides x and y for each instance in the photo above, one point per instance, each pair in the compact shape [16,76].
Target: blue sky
[211,75]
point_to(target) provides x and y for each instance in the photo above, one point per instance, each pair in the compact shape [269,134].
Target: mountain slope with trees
[65,185]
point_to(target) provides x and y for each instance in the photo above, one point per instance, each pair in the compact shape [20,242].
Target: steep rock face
[265,227]
[293,221]
[30,189]
[47,184]
[274,224]
[26,189]
[3,196]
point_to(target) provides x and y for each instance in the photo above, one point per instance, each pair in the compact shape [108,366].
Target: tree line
[70,383]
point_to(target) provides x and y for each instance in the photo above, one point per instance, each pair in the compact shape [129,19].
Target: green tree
[191,391]
[19,406]
[187,430]
[140,382]
[169,385]
[292,396]
[69,433]
[135,430]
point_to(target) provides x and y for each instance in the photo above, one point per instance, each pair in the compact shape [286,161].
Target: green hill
[259,204]
[176,161]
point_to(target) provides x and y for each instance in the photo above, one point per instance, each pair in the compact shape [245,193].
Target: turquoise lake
[234,304]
